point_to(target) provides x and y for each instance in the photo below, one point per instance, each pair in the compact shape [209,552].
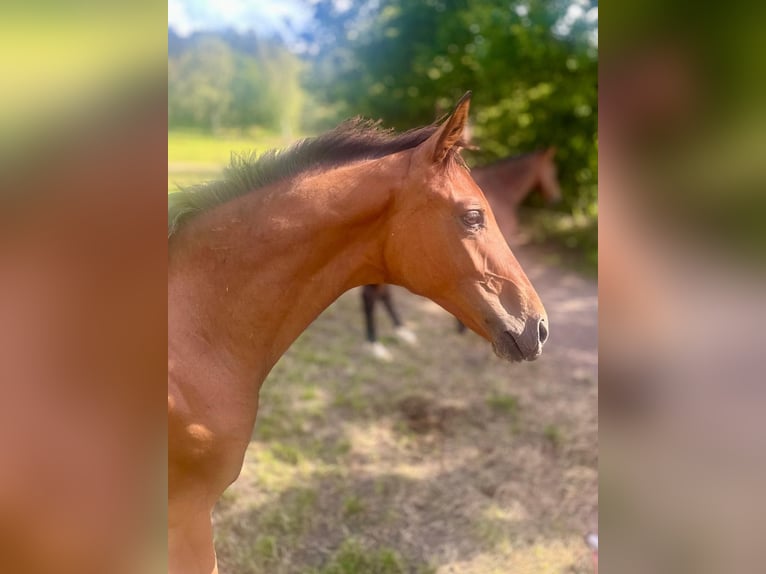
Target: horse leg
[402,332]
[370,295]
[385,296]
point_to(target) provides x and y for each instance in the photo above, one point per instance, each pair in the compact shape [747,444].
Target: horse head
[443,242]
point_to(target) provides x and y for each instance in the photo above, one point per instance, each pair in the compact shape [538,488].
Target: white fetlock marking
[406,335]
[379,351]
[592,540]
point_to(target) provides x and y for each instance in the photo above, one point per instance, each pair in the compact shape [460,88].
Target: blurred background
[681,286]
[83,296]
[442,458]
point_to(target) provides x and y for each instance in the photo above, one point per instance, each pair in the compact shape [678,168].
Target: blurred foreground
[682,182]
[82,289]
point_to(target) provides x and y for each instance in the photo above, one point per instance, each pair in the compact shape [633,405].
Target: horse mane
[353,140]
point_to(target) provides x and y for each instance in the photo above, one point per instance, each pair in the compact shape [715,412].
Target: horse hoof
[406,335]
[379,351]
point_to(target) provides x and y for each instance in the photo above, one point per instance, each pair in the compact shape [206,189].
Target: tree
[199,84]
[225,79]
[534,82]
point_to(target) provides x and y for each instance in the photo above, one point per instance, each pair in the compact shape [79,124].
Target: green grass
[286,453]
[553,435]
[352,506]
[353,558]
[265,550]
[194,146]
[195,156]
[576,238]
[279,529]
[507,404]
[293,516]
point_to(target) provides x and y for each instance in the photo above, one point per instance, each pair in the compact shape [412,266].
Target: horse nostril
[542,331]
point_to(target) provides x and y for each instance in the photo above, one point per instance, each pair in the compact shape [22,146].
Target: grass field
[446,460]
[195,156]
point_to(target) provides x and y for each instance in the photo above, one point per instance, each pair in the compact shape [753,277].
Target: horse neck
[252,274]
[508,181]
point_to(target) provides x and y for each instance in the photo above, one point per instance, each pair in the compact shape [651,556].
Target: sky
[284,17]
[287,18]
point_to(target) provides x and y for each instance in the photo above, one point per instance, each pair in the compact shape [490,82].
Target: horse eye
[473,218]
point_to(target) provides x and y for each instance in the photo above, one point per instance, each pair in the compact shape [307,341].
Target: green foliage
[408,62]
[575,237]
[225,80]
[199,82]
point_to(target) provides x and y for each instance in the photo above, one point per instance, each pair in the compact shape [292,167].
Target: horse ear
[450,134]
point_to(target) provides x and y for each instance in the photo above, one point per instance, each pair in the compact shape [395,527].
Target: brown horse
[505,183]
[257,256]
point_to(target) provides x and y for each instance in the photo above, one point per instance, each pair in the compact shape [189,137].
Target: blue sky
[284,17]
[289,17]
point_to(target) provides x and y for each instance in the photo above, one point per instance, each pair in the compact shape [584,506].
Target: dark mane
[354,140]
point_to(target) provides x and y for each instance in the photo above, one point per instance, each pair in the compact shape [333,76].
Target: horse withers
[256,257]
[505,183]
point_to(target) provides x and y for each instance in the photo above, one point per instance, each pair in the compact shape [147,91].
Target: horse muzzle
[524,346]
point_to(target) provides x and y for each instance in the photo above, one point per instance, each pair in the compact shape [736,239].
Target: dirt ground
[445,460]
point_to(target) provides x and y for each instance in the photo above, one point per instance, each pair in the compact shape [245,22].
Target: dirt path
[445,460]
